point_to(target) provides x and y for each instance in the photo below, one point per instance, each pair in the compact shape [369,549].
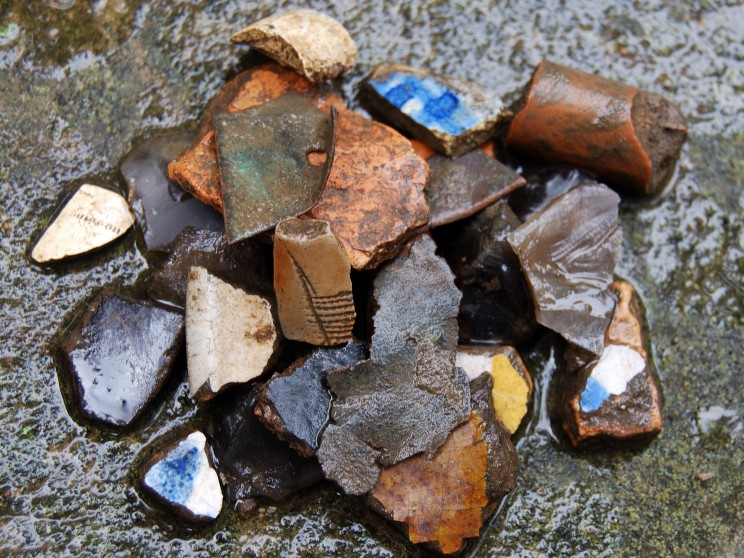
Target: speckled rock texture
[82,86]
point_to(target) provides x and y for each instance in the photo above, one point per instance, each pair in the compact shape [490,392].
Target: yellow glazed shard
[510,392]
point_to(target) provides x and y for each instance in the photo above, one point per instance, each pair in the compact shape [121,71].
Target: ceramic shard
[374,197]
[161,207]
[310,42]
[269,171]
[449,115]
[296,404]
[243,263]
[91,218]
[230,334]
[460,187]
[183,480]
[408,396]
[120,353]
[252,460]
[542,187]
[568,251]
[312,283]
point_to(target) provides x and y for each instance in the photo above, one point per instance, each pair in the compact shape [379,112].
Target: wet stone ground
[84,81]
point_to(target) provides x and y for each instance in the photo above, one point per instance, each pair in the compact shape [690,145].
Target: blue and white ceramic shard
[616,367]
[185,479]
[449,115]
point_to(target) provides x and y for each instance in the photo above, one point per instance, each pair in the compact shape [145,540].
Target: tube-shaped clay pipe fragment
[628,137]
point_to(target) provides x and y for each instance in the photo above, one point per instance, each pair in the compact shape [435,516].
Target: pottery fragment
[161,207]
[312,283]
[120,353]
[568,251]
[311,43]
[629,138]
[274,160]
[243,263]
[253,461]
[91,218]
[615,397]
[230,334]
[451,116]
[374,197]
[460,187]
[512,384]
[379,404]
[296,404]
[182,479]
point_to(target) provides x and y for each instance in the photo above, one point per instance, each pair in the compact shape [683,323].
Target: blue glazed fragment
[593,396]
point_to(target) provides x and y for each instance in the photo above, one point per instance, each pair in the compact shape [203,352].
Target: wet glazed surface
[82,86]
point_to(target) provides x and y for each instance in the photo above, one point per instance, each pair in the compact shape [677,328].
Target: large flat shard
[409,396]
[274,161]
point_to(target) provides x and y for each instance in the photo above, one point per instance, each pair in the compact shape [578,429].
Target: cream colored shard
[311,43]
[512,385]
[312,283]
[230,334]
[92,218]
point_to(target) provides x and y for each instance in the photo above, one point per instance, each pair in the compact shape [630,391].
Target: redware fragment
[568,251]
[267,165]
[310,42]
[183,480]
[628,137]
[312,283]
[460,187]
[451,116]
[374,196]
[296,404]
[92,218]
[512,384]
[120,353]
[197,171]
[615,397]
[230,334]
[161,207]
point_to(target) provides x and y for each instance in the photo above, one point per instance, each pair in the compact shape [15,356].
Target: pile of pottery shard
[350,293]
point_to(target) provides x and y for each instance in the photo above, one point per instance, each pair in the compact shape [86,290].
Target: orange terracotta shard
[442,499]
[197,169]
[374,196]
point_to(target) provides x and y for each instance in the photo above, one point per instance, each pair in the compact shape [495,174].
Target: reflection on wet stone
[542,187]
[120,353]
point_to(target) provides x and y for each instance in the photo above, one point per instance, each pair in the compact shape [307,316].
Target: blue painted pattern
[173,477]
[427,101]
[593,396]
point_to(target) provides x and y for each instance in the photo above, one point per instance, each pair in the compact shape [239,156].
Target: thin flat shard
[374,197]
[230,334]
[267,164]
[92,218]
[310,42]
[312,283]
[120,354]
[568,251]
[460,187]
[183,480]
[440,499]
[409,396]
[449,115]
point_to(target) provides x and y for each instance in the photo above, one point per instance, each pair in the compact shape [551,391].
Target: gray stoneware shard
[252,461]
[296,404]
[496,302]
[451,116]
[408,396]
[310,42]
[274,160]
[243,263]
[460,187]
[91,218]
[312,283]
[568,251]
[120,353]
[161,207]
[182,479]
[230,334]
